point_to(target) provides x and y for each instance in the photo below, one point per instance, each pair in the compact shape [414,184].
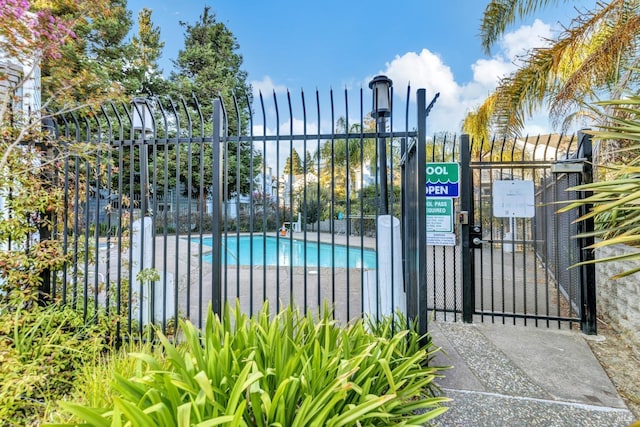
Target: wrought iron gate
[516,258]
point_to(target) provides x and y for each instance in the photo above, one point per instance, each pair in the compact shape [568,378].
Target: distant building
[20,95]
[265,186]
[20,86]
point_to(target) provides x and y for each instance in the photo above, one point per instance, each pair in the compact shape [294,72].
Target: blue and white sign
[443,179]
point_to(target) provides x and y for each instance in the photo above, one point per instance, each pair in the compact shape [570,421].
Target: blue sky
[330,44]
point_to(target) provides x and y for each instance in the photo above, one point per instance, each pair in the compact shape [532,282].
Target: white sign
[513,199]
[441,239]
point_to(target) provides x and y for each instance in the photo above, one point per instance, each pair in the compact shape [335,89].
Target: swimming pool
[271,251]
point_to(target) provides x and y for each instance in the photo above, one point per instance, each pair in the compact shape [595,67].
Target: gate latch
[475,237]
[463,217]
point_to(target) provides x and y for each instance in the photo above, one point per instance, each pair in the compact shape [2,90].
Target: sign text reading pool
[443,179]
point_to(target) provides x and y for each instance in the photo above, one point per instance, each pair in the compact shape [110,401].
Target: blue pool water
[270,251]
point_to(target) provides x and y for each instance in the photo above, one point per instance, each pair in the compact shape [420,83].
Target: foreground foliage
[284,369]
[593,55]
[615,198]
[41,350]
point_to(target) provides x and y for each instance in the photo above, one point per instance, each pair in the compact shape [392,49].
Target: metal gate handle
[478,241]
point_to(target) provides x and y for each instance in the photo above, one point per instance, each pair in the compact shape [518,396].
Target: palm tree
[346,155]
[595,56]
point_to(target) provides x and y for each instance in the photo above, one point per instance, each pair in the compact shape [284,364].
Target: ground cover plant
[41,350]
[285,369]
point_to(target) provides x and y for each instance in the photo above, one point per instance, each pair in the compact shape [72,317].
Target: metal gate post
[216,232]
[421,220]
[588,323]
[466,205]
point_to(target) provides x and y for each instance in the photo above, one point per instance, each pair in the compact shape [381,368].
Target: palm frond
[476,123]
[499,14]
[587,58]
[599,60]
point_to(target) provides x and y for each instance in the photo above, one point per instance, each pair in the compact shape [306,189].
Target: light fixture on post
[381,86]
[141,115]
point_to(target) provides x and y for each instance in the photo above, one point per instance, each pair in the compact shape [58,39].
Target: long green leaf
[273,403]
[94,417]
[422,419]
[224,419]
[205,385]
[160,414]
[387,372]
[357,412]
[243,382]
[133,413]
[128,388]
[183,415]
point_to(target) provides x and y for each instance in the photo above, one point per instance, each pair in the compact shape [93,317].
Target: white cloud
[427,70]
[487,72]
[424,70]
[266,86]
[525,38]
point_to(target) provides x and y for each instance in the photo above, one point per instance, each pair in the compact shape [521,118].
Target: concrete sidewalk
[523,376]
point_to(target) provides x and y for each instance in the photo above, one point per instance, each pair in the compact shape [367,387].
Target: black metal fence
[183,205]
[556,244]
[175,206]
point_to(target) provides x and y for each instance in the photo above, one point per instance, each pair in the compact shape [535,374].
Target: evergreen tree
[148,48]
[312,204]
[98,50]
[209,66]
[309,164]
[293,165]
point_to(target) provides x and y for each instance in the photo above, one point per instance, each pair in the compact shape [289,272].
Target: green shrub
[92,385]
[40,352]
[284,369]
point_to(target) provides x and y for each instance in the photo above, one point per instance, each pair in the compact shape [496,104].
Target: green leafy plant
[41,350]
[284,369]
[615,201]
[92,386]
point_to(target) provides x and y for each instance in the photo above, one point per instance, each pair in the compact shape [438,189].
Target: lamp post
[381,86]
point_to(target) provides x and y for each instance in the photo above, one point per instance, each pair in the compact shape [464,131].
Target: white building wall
[22,81]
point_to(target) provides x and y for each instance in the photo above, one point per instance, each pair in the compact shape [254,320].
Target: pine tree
[293,165]
[309,164]
[148,47]
[207,66]
[96,57]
